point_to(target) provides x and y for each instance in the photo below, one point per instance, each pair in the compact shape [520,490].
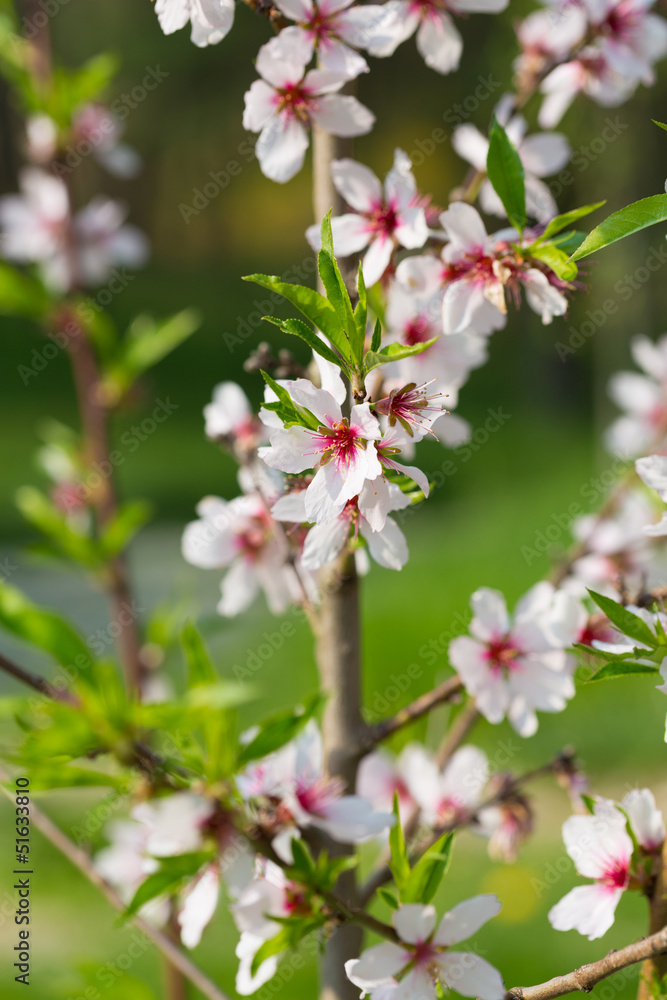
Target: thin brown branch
[94,421]
[415,710]
[80,860]
[34,681]
[585,978]
[456,734]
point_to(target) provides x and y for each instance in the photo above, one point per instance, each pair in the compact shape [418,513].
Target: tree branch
[34,681]
[415,710]
[80,860]
[585,978]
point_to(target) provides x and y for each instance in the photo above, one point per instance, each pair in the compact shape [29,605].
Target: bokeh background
[484,526]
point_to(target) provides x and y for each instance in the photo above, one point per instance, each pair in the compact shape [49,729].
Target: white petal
[414,922]
[545,153]
[466,918]
[471,145]
[597,843]
[343,115]
[172,14]
[199,907]
[350,234]
[357,184]
[645,818]
[388,546]
[491,619]
[260,106]
[376,965]
[324,542]
[283,59]
[377,259]
[239,588]
[589,909]
[281,148]
[653,470]
[471,976]
[440,43]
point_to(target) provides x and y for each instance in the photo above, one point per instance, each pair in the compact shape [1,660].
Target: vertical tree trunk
[338,651]
[657,966]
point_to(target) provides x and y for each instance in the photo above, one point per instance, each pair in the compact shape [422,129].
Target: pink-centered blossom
[211,20]
[342,451]
[479,269]
[294,783]
[438,39]
[383,217]
[413,968]
[241,535]
[602,850]
[334,29]
[288,101]
[36,227]
[516,667]
[325,541]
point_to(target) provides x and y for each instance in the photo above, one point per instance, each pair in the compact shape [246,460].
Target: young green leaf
[659,124]
[303,861]
[628,623]
[506,173]
[622,668]
[42,513]
[389,897]
[312,305]
[556,259]
[43,628]
[399,864]
[561,222]
[120,531]
[274,946]
[200,666]
[427,874]
[376,339]
[394,352]
[170,877]
[338,295]
[299,329]
[287,409]
[625,222]
[21,295]
[360,316]
[277,731]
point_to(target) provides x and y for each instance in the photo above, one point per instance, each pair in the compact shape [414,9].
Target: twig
[35,681]
[80,860]
[456,734]
[585,978]
[415,710]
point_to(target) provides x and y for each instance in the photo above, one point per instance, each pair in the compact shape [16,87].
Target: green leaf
[277,731]
[120,531]
[376,339]
[146,343]
[429,871]
[42,628]
[621,668]
[395,352]
[399,864]
[170,877]
[601,654]
[555,258]
[200,666]
[623,223]
[21,295]
[314,307]
[561,222]
[223,694]
[360,316]
[628,623]
[506,173]
[39,511]
[389,897]
[338,295]
[303,862]
[274,946]
[659,124]
[286,408]
[299,329]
